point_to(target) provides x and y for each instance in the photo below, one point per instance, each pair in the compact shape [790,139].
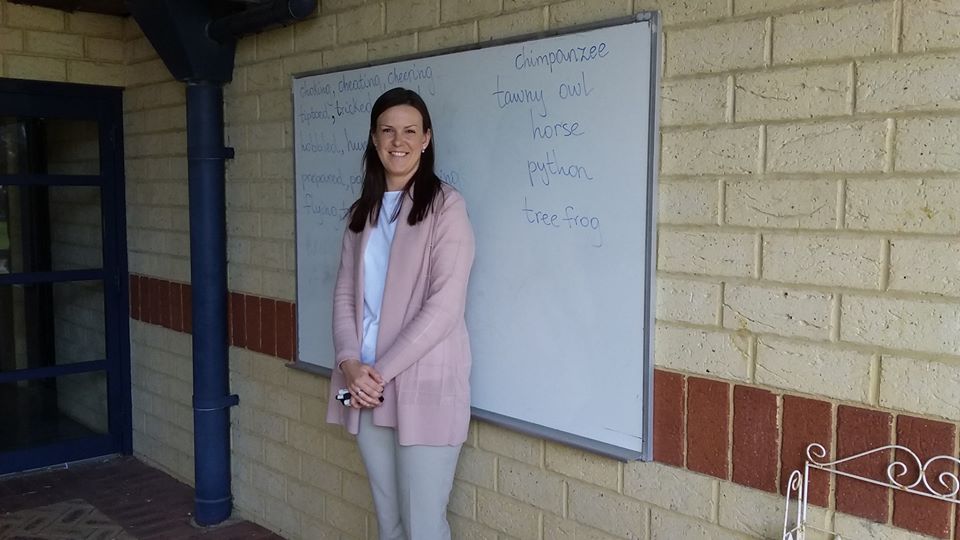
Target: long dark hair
[423,187]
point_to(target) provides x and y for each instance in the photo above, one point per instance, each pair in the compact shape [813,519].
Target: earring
[424,149]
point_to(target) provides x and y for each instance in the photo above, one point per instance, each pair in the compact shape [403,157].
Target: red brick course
[163,303]
[755,438]
[186,292]
[285,330]
[668,432]
[155,292]
[806,421]
[260,324]
[135,296]
[268,326]
[237,321]
[176,307]
[859,430]
[708,414]
[145,290]
[927,439]
[252,321]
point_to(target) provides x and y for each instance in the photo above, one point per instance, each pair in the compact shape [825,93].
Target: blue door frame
[103,105]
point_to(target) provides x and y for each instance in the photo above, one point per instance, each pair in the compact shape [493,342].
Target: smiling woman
[402,350]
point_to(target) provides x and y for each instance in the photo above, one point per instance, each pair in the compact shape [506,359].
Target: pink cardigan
[423,350]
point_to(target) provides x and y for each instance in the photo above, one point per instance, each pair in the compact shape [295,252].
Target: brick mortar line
[128,108]
[773,68]
[943,54]
[762,152]
[873,393]
[160,155]
[721,201]
[731,403]
[923,298]
[891,437]
[840,215]
[65,59]
[890,146]
[834,419]
[648,531]
[843,118]
[805,176]
[836,317]
[768,42]
[165,131]
[897,26]
[846,346]
[720,305]
[780,429]
[851,97]
[758,256]
[885,266]
[730,109]
[851,234]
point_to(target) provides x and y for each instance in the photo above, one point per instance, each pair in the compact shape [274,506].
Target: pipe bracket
[215,403]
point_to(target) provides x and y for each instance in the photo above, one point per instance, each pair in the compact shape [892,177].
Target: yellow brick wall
[806,154]
[808,225]
[51,45]
[158,245]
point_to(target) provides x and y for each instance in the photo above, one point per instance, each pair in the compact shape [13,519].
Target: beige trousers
[410,484]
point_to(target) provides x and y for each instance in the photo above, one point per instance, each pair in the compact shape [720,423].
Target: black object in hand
[343,396]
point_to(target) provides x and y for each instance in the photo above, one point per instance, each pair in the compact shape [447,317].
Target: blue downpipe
[208,267]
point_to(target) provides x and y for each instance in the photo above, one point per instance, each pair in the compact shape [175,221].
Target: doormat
[69,520]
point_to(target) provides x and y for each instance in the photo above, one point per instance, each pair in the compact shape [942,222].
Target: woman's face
[400,139]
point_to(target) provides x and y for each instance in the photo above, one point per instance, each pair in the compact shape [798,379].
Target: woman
[402,349]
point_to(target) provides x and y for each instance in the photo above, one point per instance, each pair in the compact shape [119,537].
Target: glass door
[64,346]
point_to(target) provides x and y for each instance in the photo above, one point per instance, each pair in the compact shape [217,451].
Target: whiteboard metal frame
[649,303]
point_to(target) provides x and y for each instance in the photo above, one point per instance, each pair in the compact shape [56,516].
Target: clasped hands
[363,382]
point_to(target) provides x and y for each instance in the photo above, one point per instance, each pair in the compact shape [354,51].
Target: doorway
[64,328]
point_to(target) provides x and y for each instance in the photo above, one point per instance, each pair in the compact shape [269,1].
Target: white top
[376,258]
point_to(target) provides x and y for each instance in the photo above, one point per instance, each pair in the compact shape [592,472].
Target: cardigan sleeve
[443,309]
[346,342]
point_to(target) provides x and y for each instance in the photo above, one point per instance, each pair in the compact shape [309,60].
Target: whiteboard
[551,142]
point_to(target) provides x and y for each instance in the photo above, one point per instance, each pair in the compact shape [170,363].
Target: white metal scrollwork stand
[945,488]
